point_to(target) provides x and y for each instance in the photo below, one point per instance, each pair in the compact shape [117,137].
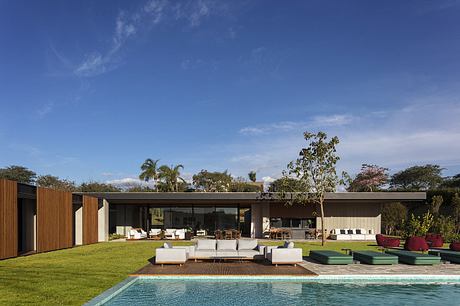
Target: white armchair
[137,233]
[155,233]
[180,234]
[170,233]
[286,254]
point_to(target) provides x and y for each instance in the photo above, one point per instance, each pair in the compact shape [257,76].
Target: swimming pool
[218,291]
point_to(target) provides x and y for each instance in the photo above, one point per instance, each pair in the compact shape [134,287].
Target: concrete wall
[352,215]
[260,219]
[103,221]
[78,221]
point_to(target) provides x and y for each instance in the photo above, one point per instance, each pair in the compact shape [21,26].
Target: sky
[90,89]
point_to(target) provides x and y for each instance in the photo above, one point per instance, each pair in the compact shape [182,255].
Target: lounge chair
[413,258]
[331,257]
[155,233]
[137,233]
[284,255]
[375,258]
[446,254]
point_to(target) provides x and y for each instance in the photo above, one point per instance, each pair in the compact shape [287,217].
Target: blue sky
[89,89]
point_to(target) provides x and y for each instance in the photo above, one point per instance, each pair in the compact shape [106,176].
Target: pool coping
[409,278]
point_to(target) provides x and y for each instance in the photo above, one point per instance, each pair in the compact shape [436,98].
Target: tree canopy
[98,187]
[54,182]
[212,181]
[315,168]
[252,175]
[170,179]
[371,178]
[417,178]
[18,173]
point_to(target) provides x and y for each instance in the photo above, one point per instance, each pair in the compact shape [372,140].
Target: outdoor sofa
[210,249]
[352,234]
[137,233]
[282,255]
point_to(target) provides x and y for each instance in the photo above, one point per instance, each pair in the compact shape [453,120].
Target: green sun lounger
[413,258]
[446,254]
[331,257]
[375,258]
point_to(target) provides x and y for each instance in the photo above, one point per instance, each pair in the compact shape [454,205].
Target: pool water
[275,292]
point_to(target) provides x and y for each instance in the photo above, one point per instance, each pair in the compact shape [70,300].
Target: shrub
[418,226]
[116,236]
[445,225]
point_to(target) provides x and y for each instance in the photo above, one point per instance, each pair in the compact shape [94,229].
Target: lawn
[74,276]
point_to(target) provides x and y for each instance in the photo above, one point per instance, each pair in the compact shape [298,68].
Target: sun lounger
[375,258]
[413,258]
[446,254]
[331,257]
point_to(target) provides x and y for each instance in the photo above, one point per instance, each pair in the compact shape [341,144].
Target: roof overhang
[248,197]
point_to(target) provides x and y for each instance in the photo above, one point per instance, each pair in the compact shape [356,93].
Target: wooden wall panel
[8,219]
[90,218]
[54,220]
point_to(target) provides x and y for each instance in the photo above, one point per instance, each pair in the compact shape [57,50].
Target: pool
[246,291]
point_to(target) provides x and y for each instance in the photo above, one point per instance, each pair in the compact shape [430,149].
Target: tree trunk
[323,232]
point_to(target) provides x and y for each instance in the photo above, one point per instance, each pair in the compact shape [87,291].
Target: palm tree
[171,177]
[149,171]
[252,176]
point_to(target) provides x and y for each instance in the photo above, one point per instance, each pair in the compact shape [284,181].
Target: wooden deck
[209,268]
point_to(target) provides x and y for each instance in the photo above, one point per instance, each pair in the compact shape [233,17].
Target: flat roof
[250,196]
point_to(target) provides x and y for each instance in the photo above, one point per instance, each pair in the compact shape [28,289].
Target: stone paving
[399,269]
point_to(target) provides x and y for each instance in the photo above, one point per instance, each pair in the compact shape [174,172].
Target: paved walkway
[361,269]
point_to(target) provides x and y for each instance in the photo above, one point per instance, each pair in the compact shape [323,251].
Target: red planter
[455,246]
[387,242]
[434,240]
[416,244]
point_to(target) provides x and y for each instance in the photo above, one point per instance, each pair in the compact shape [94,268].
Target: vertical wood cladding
[8,219]
[90,225]
[54,220]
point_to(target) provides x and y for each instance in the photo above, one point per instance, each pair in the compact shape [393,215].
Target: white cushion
[247,244]
[226,245]
[167,245]
[288,245]
[205,244]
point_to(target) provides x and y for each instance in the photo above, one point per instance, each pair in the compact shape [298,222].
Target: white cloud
[289,126]
[45,109]
[129,182]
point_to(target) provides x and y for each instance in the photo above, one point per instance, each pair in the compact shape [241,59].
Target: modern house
[246,211]
[34,219]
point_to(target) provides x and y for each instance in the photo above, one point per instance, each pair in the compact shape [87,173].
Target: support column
[103,221]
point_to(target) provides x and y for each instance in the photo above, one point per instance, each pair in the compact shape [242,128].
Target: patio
[210,268]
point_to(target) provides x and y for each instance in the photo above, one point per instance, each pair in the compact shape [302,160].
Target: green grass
[74,276]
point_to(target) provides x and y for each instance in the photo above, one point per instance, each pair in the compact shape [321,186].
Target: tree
[170,178]
[435,204]
[97,187]
[315,169]
[50,181]
[455,202]
[149,170]
[451,182]
[19,174]
[212,181]
[286,184]
[252,176]
[371,178]
[417,178]
[393,217]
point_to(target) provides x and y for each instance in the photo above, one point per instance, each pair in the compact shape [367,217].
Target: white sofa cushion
[226,245]
[170,256]
[247,244]
[167,245]
[248,253]
[205,244]
[288,245]
[204,253]
[232,252]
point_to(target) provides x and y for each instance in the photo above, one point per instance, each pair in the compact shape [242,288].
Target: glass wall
[192,217]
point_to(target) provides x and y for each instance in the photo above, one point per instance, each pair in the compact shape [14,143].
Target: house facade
[35,219]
